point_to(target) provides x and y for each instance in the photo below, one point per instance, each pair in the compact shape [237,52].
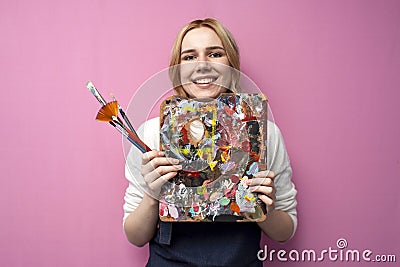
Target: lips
[204,80]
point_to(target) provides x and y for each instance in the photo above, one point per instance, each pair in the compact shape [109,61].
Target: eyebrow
[207,49]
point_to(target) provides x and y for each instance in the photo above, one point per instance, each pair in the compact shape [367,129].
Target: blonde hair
[228,42]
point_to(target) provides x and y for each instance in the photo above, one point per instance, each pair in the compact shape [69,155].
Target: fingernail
[179,167]
[175,161]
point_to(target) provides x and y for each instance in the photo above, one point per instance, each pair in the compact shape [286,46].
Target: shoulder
[273,132]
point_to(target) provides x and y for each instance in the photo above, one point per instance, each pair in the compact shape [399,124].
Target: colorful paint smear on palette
[221,143]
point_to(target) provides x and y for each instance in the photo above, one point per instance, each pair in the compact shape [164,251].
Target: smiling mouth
[206,80]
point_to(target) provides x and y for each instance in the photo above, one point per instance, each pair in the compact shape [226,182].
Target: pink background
[330,69]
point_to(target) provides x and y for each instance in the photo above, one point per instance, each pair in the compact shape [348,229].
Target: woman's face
[205,71]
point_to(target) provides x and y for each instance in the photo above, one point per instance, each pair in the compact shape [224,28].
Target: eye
[188,57]
[215,55]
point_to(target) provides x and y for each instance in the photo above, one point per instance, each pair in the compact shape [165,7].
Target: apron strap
[165,233]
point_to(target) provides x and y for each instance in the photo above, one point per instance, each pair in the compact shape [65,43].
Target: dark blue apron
[205,244]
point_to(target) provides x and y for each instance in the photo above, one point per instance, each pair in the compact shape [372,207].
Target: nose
[203,66]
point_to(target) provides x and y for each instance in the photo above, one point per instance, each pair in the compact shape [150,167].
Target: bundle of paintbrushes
[109,113]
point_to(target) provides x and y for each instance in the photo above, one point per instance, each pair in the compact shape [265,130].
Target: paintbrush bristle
[113,97]
[108,111]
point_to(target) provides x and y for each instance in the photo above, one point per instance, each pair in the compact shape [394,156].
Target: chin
[204,93]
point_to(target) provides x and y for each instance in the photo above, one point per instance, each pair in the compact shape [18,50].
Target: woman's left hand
[263,184]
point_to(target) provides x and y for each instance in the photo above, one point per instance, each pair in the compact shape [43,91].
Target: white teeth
[204,81]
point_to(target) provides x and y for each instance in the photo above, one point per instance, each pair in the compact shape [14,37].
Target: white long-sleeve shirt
[277,160]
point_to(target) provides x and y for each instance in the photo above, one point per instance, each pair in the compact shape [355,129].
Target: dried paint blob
[201,190]
[215,196]
[227,166]
[196,131]
[173,211]
[234,207]
[235,178]
[230,193]
[163,209]
[224,201]
[253,169]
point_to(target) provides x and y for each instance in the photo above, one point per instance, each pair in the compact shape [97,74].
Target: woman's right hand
[141,224]
[157,169]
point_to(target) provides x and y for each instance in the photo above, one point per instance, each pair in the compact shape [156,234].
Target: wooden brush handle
[137,140]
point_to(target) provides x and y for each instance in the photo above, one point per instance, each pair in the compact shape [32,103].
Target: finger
[267,173]
[260,181]
[159,161]
[160,171]
[156,162]
[266,190]
[158,183]
[148,156]
[267,200]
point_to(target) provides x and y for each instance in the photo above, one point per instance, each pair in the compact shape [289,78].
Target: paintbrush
[124,117]
[109,113]
[90,86]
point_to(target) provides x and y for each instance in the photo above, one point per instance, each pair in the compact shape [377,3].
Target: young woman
[203,57]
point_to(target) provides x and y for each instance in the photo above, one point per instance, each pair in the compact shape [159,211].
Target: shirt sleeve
[148,132]
[278,161]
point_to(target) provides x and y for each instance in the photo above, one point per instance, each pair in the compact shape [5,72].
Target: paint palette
[221,143]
